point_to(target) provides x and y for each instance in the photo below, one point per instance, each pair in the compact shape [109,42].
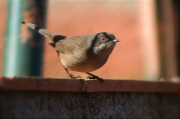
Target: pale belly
[83,64]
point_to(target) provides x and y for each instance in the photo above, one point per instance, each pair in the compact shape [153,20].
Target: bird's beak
[116,40]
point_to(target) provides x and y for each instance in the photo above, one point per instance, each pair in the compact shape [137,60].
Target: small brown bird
[83,53]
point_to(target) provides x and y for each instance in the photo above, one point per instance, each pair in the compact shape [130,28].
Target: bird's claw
[74,77]
[95,77]
[78,77]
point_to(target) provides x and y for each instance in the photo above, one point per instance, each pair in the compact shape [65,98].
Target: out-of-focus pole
[23,47]
[168,42]
[149,40]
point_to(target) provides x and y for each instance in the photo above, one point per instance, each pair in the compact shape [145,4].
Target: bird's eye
[102,39]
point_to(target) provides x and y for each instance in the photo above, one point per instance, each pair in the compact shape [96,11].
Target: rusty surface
[81,85]
[114,105]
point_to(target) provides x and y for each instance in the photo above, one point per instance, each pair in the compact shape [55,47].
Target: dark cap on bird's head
[104,40]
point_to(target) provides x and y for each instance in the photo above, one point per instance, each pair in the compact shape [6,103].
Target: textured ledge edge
[133,86]
[81,85]
[42,84]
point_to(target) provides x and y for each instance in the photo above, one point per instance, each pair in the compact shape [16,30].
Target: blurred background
[148,30]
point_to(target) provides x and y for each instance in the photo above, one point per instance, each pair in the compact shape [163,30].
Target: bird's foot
[74,77]
[78,77]
[96,77]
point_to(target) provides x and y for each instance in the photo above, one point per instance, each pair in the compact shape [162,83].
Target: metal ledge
[81,85]
[43,84]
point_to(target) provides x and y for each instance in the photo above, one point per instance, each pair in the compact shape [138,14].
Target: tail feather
[41,31]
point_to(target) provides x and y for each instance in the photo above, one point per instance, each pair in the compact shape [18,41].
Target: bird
[81,53]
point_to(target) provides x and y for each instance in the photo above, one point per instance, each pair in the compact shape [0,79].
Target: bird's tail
[39,30]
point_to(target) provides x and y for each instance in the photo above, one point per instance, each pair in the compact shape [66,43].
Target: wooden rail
[81,85]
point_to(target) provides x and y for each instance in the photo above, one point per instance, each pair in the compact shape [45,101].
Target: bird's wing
[72,44]
[66,45]
[59,47]
[58,43]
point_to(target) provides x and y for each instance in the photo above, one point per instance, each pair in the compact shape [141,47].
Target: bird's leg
[71,76]
[92,76]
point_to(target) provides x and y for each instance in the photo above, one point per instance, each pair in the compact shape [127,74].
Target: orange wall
[118,17]
[77,18]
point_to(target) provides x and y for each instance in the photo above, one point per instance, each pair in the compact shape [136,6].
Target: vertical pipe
[23,48]
[149,40]
[168,41]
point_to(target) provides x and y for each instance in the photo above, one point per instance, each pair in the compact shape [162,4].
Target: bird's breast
[84,61]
